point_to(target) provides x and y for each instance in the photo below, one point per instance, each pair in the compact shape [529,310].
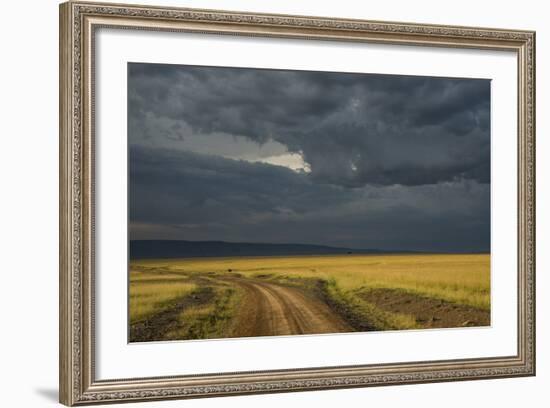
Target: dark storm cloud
[190,188]
[182,195]
[389,162]
[376,129]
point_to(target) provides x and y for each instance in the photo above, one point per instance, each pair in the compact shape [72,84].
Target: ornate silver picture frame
[79,23]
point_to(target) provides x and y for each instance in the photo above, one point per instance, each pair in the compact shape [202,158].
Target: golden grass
[377,318]
[150,292]
[212,320]
[463,279]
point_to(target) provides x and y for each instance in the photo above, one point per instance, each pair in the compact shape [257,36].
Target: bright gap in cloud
[293,161]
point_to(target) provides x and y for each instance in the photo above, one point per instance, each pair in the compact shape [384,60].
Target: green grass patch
[214,320]
[363,315]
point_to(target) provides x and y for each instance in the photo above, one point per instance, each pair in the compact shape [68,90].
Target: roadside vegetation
[211,320]
[150,293]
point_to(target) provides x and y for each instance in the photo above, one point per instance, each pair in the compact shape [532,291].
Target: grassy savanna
[208,297]
[150,294]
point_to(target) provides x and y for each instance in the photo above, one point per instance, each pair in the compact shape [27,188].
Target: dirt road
[270,309]
[266,309]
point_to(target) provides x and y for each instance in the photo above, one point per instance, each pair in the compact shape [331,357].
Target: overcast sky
[352,160]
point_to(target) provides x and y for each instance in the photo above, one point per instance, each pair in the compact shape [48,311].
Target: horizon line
[392,250]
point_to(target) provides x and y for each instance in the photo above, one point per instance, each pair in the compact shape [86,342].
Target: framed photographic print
[258,203]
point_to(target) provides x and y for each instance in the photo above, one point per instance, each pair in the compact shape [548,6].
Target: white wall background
[28,203]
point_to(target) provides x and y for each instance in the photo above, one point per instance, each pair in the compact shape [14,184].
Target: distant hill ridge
[143,249]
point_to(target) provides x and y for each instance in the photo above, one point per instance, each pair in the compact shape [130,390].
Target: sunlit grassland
[212,320]
[150,292]
[463,278]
